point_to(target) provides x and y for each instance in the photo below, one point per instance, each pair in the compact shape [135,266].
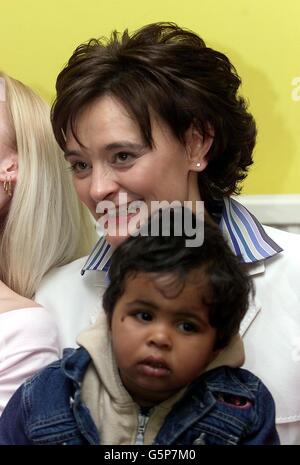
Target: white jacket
[270,329]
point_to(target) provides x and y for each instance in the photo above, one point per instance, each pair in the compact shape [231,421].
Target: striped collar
[243,232]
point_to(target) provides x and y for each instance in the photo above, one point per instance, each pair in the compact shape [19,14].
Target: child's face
[161,344]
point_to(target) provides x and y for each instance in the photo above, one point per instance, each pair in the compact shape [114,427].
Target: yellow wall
[260,36]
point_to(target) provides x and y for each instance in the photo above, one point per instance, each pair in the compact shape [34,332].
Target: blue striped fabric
[245,235]
[243,232]
[99,257]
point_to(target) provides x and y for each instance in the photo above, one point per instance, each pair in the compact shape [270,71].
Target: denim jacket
[223,406]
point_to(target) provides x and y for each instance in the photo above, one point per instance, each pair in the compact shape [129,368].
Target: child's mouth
[154,366]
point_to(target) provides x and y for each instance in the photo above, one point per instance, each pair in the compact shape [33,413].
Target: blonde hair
[46,225]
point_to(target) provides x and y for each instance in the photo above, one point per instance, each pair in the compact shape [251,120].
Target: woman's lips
[154,366]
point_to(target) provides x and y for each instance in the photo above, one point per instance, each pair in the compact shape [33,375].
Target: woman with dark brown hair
[156,116]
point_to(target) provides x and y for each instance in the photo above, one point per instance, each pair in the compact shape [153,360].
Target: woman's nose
[103,185]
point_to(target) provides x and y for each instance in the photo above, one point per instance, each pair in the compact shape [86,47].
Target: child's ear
[197,148]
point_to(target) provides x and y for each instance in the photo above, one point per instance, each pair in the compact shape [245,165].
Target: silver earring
[198,165]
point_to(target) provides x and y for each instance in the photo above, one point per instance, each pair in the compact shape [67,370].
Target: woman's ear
[197,148]
[9,168]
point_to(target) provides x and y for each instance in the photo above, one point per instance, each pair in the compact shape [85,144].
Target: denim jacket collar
[74,364]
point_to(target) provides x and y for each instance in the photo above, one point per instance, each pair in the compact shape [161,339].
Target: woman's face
[113,159]
[6,154]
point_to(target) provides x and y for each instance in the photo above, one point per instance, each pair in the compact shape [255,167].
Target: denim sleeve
[12,424]
[263,431]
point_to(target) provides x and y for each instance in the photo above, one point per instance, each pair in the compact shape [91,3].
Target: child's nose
[160,337]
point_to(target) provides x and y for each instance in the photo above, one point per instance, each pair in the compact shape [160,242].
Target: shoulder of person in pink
[28,342]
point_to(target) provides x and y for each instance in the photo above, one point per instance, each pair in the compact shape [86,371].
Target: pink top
[28,342]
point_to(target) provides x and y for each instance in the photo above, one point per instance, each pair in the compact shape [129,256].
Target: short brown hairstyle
[170,71]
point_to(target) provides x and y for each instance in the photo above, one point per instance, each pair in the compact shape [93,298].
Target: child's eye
[143,316]
[186,327]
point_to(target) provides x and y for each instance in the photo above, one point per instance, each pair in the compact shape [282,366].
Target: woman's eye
[143,316]
[79,166]
[186,327]
[123,157]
